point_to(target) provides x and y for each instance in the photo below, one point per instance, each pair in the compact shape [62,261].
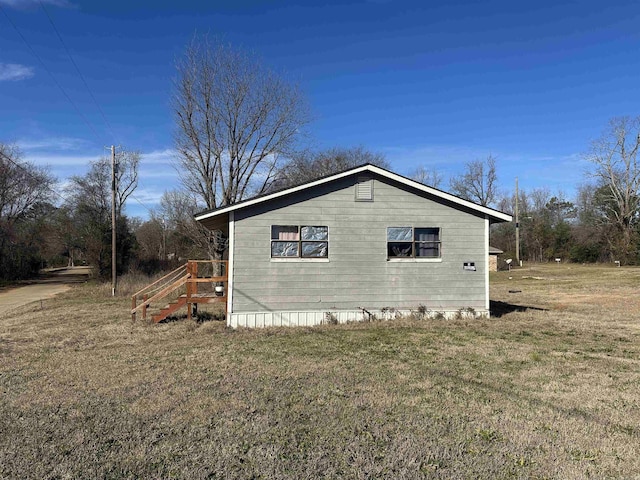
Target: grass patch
[547,390]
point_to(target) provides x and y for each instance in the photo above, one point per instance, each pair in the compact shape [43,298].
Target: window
[409,242]
[293,241]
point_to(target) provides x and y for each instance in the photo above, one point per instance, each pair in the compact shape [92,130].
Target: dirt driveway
[48,285]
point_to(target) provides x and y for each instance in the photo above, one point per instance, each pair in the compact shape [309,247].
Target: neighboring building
[493,258]
[354,244]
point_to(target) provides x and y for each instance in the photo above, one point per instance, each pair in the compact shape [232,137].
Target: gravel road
[48,285]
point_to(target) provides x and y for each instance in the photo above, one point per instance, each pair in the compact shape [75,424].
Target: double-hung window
[295,241]
[413,242]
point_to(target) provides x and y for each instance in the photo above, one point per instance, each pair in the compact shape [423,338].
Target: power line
[58,194]
[66,95]
[84,81]
[143,205]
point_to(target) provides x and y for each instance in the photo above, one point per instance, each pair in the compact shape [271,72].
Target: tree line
[600,224]
[39,227]
[238,131]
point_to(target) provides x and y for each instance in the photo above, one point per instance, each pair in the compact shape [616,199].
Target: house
[493,258]
[358,243]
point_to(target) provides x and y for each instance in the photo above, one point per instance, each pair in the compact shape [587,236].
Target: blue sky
[431,83]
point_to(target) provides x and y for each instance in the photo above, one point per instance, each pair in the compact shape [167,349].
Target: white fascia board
[365,168]
[439,193]
[282,193]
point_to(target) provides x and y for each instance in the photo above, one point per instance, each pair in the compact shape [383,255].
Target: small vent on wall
[364,189]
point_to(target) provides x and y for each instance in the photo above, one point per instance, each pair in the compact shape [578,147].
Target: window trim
[300,241]
[413,242]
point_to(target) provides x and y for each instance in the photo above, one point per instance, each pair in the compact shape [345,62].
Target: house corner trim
[230,267]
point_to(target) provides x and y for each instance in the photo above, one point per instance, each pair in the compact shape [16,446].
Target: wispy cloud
[557,173]
[60,152]
[144,201]
[165,156]
[539,170]
[13,72]
[23,4]
[149,173]
[446,160]
[150,197]
[61,160]
[434,155]
[157,164]
[66,144]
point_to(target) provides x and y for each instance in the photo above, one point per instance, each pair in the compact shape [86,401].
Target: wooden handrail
[163,292]
[188,278]
[160,280]
[207,261]
[208,279]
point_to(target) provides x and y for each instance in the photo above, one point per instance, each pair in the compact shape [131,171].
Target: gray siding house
[350,245]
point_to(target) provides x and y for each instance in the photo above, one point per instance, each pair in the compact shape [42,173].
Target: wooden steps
[184,277]
[180,302]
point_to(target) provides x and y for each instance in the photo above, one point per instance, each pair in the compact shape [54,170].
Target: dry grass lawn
[549,389]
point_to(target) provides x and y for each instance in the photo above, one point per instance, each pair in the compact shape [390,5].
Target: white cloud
[557,173]
[53,143]
[143,201]
[534,170]
[158,156]
[14,72]
[158,173]
[64,155]
[437,154]
[443,158]
[62,160]
[149,196]
[157,164]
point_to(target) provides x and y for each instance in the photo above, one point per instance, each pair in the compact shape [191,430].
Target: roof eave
[494,215]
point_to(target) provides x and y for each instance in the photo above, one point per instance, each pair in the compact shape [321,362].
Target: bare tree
[22,185]
[431,178]
[617,173]
[150,236]
[478,183]
[94,188]
[126,176]
[587,210]
[307,165]
[89,205]
[188,237]
[25,202]
[539,198]
[234,119]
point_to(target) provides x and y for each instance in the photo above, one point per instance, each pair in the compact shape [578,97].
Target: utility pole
[164,242]
[113,220]
[517,228]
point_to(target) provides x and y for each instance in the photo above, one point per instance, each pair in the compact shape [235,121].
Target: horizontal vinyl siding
[358,273]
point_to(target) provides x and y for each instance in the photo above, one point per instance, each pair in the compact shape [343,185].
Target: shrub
[331,318]
[465,313]
[589,253]
[421,312]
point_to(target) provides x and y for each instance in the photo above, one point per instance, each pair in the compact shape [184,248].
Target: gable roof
[494,215]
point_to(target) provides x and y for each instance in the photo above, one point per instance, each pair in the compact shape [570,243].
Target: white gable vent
[364,189]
